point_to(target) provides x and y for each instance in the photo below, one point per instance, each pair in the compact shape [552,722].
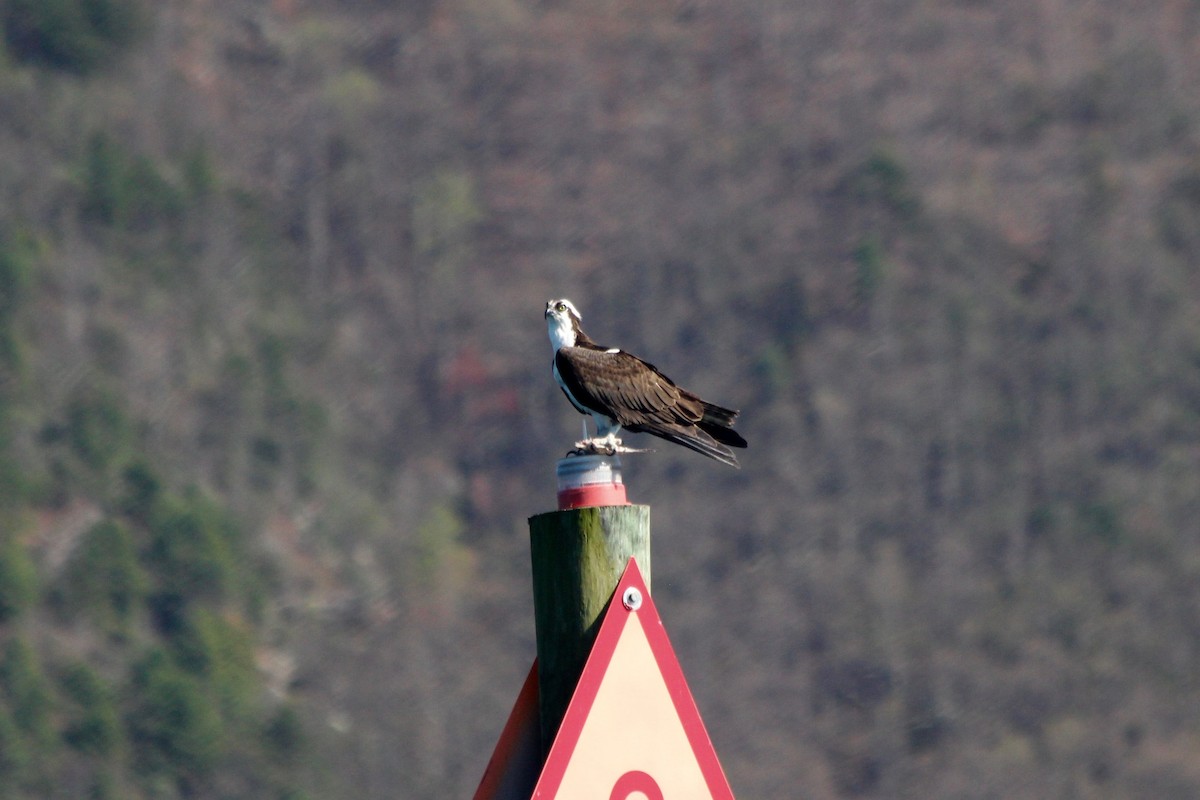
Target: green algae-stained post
[578,557]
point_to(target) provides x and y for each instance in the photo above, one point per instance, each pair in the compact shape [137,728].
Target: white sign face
[632,730]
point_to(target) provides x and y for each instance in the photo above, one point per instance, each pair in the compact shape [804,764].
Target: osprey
[620,390]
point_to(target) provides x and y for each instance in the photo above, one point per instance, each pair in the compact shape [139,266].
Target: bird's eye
[561,307]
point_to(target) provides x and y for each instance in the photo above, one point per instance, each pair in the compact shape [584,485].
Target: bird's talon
[603,447]
[597,447]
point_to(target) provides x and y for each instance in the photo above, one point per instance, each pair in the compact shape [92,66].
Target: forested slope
[275,397]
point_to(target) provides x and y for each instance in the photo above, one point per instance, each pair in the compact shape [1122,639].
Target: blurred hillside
[275,398]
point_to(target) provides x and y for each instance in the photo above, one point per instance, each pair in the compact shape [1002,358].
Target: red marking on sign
[632,715]
[636,781]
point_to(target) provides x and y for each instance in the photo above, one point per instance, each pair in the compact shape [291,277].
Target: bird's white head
[562,320]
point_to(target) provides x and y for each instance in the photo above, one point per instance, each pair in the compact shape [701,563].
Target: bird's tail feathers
[717,422]
[717,414]
[700,441]
[726,436]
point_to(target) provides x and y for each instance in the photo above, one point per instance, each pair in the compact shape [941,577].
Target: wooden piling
[578,557]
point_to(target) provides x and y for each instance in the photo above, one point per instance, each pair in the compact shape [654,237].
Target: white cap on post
[593,480]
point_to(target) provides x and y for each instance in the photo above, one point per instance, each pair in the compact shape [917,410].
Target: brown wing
[628,389]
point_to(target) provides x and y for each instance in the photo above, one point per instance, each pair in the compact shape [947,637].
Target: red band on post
[595,494]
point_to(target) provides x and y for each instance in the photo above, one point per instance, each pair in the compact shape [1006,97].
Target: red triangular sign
[513,768]
[632,730]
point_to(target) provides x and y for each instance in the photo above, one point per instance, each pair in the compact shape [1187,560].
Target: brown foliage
[942,255]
